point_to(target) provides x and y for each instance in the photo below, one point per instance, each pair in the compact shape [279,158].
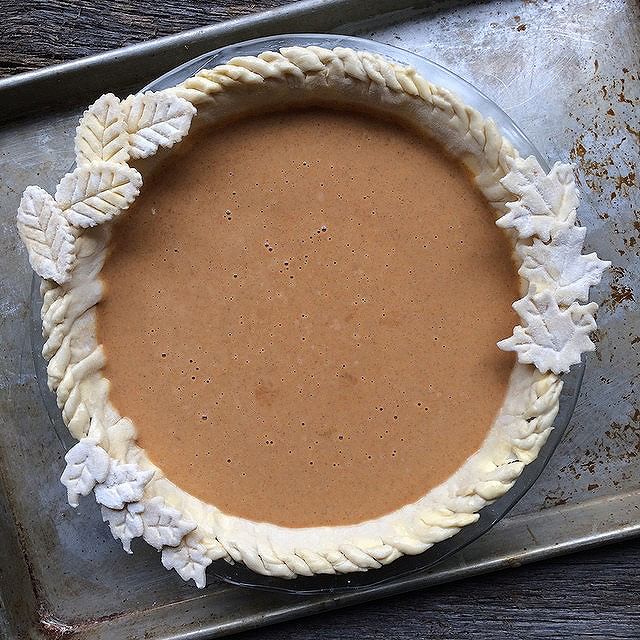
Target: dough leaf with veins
[163,526]
[156,120]
[552,339]
[560,265]
[96,193]
[87,465]
[189,559]
[125,524]
[124,483]
[102,133]
[47,235]
[544,200]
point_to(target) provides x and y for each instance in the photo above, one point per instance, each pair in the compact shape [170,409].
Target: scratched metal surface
[568,74]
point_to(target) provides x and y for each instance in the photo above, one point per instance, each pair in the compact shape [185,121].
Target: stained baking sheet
[567,73]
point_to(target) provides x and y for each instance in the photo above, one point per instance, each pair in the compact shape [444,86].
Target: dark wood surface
[589,595]
[594,594]
[37,33]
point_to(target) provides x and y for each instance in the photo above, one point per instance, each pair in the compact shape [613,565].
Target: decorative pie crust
[66,236]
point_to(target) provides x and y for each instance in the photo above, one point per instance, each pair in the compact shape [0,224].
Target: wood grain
[37,33]
[589,595]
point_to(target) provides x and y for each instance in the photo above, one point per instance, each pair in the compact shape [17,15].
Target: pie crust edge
[66,238]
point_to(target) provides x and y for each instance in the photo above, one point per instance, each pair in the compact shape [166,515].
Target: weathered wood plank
[38,33]
[594,594]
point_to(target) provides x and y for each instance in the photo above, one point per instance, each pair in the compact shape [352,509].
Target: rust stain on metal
[632,131]
[554,501]
[618,271]
[602,129]
[627,437]
[623,182]
[610,456]
[621,96]
[620,293]
[579,150]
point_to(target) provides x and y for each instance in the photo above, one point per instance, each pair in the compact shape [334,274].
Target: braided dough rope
[137,501]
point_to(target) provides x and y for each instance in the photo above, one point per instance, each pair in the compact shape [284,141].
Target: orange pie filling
[300,316]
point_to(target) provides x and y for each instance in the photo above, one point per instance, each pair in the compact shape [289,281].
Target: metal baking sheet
[567,73]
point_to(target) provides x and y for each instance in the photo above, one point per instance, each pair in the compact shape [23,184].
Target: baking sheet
[567,73]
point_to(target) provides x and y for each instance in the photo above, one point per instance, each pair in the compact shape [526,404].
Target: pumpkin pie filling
[300,317]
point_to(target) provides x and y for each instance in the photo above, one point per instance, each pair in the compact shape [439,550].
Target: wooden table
[594,594]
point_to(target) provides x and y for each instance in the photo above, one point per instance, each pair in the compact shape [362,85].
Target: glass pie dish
[238,573]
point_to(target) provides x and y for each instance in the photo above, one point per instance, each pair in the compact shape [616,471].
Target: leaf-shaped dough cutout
[560,265]
[159,119]
[552,339]
[189,559]
[94,194]
[87,464]
[125,524]
[102,133]
[124,483]
[544,200]
[163,525]
[47,235]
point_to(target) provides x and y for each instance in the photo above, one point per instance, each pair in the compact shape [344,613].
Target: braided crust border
[137,500]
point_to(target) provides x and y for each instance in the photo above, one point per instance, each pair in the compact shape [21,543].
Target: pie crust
[67,235]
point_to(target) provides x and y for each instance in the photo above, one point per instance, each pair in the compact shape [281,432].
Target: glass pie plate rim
[238,573]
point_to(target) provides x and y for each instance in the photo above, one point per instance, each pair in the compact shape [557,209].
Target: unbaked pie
[276,340]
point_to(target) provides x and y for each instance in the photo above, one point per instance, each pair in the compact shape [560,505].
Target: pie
[275,340]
